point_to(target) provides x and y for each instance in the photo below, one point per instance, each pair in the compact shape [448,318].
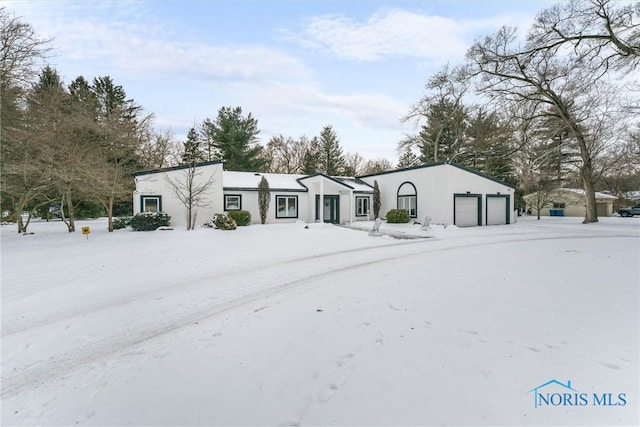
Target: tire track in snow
[13,326]
[56,368]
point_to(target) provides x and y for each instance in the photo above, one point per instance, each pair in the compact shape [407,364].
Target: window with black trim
[286,206]
[407,198]
[362,206]
[408,203]
[557,205]
[150,203]
[232,202]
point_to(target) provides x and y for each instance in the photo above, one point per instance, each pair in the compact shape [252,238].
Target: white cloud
[397,33]
[392,32]
[121,38]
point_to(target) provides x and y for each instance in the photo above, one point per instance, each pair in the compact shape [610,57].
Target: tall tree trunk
[591,211]
[110,214]
[71,211]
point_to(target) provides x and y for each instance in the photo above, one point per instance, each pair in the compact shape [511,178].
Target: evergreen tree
[408,158]
[192,148]
[443,135]
[264,198]
[331,160]
[234,139]
[311,159]
[376,199]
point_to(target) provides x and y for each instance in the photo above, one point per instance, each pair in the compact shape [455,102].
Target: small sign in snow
[86,231]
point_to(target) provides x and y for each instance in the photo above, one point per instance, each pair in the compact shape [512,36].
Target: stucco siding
[157,184]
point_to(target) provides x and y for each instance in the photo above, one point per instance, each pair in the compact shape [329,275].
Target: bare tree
[561,84]
[158,149]
[353,164]
[191,191]
[286,155]
[264,198]
[373,166]
[23,171]
[603,31]
[21,49]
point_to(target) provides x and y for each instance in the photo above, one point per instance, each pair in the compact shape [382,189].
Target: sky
[296,66]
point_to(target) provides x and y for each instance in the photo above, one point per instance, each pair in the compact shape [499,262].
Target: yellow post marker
[86,231]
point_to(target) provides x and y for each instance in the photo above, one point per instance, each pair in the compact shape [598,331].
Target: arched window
[407,195]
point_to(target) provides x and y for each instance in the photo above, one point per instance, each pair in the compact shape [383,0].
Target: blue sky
[295,65]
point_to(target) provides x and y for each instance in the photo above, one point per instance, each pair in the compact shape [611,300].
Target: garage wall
[436,185]
[460,181]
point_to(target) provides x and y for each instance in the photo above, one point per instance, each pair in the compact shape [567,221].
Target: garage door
[497,208]
[466,210]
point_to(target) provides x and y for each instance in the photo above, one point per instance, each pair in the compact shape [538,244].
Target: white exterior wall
[435,189]
[330,187]
[430,186]
[155,184]
[250,203]
[460,181]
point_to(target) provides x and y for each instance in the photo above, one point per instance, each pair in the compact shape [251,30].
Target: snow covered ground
[284,325]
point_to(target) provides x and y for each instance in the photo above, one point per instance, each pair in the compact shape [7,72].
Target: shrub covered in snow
[149,221]
[221,222]
[241,218]
[121,222]
[397,216]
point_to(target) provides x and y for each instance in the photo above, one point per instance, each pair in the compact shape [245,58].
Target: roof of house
[250,180]
[430,165]
[580,192]
[173,168]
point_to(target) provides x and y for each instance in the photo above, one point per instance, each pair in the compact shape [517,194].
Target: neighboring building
[447,193]
[569,202]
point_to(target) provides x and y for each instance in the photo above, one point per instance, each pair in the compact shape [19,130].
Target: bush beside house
[397,216]
[242,218]
[149,221]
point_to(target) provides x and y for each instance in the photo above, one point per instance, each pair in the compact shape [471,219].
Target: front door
[330,209]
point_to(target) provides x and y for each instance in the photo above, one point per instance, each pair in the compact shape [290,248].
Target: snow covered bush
[149,221]
[397,216]
[221,222]
[241,218]
[121,222]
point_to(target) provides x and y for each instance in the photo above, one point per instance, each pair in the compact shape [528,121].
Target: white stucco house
[447,193]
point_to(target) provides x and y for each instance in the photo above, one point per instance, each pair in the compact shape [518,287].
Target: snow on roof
[282,181]
[355,183]
[580,191]
[250,180]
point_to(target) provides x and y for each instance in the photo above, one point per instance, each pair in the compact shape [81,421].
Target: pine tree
[311,160]
[234,139]
[408,158]
[331,160]
[192,148]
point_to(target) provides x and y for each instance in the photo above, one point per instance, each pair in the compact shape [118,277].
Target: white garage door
[466,211]
[496,210]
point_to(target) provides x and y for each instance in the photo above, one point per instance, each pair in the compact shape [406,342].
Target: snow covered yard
[283,325]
